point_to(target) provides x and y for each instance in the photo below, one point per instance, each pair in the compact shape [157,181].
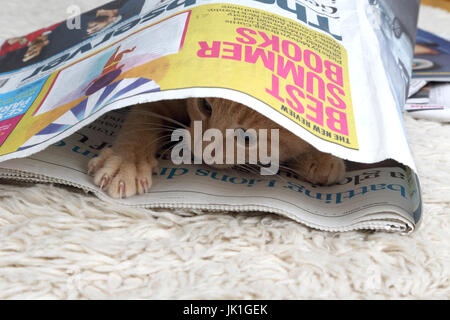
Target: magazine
[431,57]
[429,92]
[432,102]
[64,93]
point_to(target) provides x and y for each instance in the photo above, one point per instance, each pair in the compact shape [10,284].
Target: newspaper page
[382,196]
[299,63]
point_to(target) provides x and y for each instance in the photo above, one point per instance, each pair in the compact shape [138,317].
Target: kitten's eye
[206,107]
[247,137]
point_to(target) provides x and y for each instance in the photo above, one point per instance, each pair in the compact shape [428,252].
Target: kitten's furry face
[221,114]
[126,168]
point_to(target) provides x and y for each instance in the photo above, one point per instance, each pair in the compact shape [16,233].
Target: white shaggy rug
[60,243]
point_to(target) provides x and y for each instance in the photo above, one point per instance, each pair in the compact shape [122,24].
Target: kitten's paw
[322,168]
[122,175]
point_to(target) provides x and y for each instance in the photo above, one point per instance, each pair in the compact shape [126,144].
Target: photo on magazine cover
[431,57]
[20,52]
[80,90]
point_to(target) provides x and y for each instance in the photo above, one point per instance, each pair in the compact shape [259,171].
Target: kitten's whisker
[154,141]
[134,130]
[158,125]
[155,131]
[156,115]
[297,173]
[259,172]
[243,168]
[166,136]
[167,150]
[290,170]
[249,168]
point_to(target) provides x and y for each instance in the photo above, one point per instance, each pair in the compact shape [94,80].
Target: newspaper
[429,92]
[298,63]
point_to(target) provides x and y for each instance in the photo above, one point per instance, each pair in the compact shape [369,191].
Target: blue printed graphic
[119,90]
[15,103]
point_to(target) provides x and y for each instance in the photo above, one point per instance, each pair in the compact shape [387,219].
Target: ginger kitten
[126,169]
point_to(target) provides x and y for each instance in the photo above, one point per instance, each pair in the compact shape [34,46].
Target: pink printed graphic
[7,126]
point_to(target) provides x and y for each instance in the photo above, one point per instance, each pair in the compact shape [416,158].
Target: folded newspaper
[335,73]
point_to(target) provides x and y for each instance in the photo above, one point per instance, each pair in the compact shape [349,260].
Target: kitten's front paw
[122,175]
[321,168]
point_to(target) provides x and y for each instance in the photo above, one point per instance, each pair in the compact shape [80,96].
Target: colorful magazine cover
[431,57]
